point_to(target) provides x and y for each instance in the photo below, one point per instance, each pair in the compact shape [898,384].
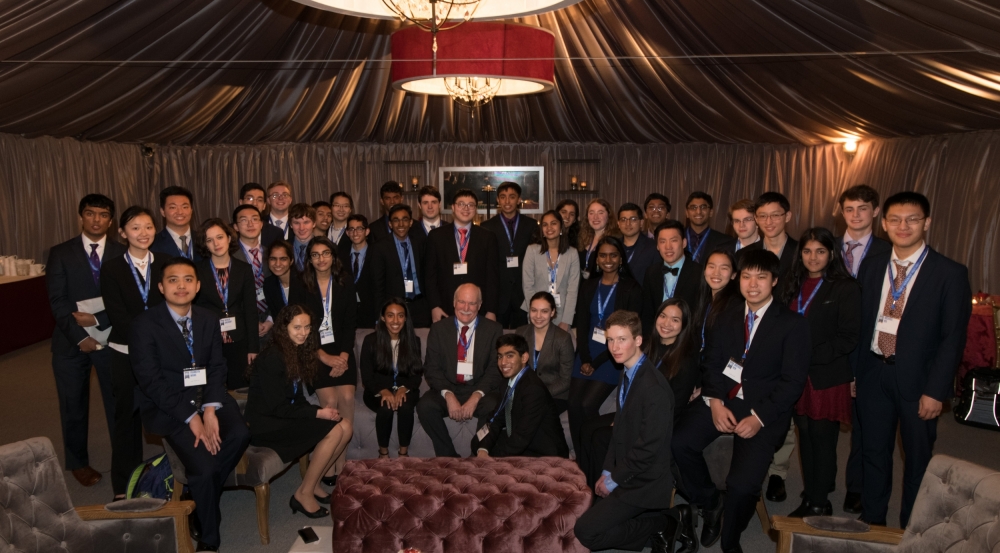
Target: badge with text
[887,324]
[511,262]
[408,286]
[734,371]
[195,376]
[483,432]
[325,335]
[227,323]
[464,371]
[599,336]
[460,269]
[558,300]
[260,294]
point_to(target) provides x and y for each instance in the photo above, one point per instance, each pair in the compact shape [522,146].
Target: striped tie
[258,279]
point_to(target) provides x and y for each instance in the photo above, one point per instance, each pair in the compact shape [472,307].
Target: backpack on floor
[978,404]
[153,479]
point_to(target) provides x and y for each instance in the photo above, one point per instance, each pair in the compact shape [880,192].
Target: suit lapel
[173,330]
[921,287]
[764,326]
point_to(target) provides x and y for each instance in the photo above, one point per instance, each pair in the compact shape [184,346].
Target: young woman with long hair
[551,267]
[594,225]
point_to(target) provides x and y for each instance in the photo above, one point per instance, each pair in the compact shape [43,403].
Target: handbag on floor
[154,478]
[978,404]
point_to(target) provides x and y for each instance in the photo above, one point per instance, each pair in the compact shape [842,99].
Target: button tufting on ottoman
[443,505]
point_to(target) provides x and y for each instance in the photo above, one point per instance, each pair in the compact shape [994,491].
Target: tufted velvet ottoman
[445,505]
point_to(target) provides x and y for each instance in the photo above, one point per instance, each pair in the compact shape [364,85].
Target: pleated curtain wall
[42,179]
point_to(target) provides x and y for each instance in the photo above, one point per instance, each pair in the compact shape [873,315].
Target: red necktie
[746,340]
[463,243]
[462,345]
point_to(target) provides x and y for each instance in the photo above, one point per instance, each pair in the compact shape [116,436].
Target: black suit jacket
[242,303]
[535,427]
[364,288]
[834,323]
[643,255]
[272,399]
[688,289]
[441,360]
[931,334]
[878,247]
[343,317]
[269,235]
[481,256]
[638,457]
[713,240]
[275,299]
[510,277]
[379,230]
[776,367]
[687,378]
[375,380]
[784,262]
[164,243]
[69,279]
[628,296]
[387,272]
[159,356]
[122,299]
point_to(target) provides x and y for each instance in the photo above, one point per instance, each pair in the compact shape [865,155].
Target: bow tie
[671,270]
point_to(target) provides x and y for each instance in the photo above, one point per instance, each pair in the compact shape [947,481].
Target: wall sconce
[851,148]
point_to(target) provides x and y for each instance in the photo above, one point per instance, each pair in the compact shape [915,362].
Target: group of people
[679,318]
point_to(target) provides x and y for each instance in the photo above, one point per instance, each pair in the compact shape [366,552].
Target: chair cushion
[837,524]
[467,505]
[148,535]
[263,465]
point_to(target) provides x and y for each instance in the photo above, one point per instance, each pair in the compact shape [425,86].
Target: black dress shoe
[330,480]
[808,509]
[206,547]
[664,540]
[776,489]
[736,549]
[688,538]
[852,503]
[713,522]
[194,528]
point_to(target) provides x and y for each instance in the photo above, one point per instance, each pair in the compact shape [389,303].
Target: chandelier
[434,15]
[472,92]
[447,10]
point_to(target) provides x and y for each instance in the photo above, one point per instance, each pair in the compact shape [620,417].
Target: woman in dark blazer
[820,287]
[594,374]
[129,287]
[551,348]
[228,290]
[391,371]
[281,419]
[284,285]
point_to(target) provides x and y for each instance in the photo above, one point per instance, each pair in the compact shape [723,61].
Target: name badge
[886,324]
[599,336]
[734,370]
[586,274]
[511,262]
[260,294]
[325,335]
[558,300]
[195,376]
[464,372]
[483,432]
[227,323]
[408,286]
[460,269]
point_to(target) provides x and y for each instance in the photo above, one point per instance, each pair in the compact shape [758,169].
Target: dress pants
[384,416]
[207,473]
[432,409]
[818,449]
[854,470]
[694,432]
[514,317]
[236,364]
[72,375]
[585,400]
[419,310]
[880,410]
[783,457]
[610,523]
[126,442]
[595,440]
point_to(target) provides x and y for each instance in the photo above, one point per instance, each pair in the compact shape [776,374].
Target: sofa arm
[881,538]
[176,510]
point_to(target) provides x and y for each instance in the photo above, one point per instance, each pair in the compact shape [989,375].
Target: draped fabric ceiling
[618,79]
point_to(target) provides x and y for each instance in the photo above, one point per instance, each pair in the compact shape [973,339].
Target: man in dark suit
[279,199]
[429,200]
[461,370]
[640,250]
[773,213]
[355,259]
[396,268]
[459,253]
[176,353]
[635,487]
[514,232]
[859,205]
[526,423]
[176,239]
[757,362]
[390,194]
[915,308]
[253,194]
[676,276]
[701,238]
[73,274]
[252,251]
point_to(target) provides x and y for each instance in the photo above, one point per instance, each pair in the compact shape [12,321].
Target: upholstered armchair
[957,509]
[37,516]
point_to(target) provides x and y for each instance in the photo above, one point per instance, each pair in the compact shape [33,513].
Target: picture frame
[530,178]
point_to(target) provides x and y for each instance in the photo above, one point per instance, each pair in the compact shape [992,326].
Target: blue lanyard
[509,394]
[696,254]
[143,288]
[462,245]
[465,343]
[704,322]
[223,290]
[329,299]
[854,273]
[189,341]
[602,306]
[621,389]
[586,262]
[295,389]
[534,364]
[506,229]
[670,294]
[802,307]
[750,321]
[246,253]
[405,258]
[896,294]
[340,234]
[553,271]
[282,288]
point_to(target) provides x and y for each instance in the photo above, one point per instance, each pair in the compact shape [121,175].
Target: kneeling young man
[755,369]
[634,492]
[176,353]
[527,422]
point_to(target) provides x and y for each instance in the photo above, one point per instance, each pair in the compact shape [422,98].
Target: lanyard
[696,254]
[223,290]
[871,238]
[395,363]
[465,343]
[670,294]
[750,321]
[509,394]
[506,229]
[246,253]
[586,262]
[328,302]
[896,294]
[553,271]
[802,307]
[704,322]
[339,234]
[295,389]
[189,340]
[602,306]
[284,296]
[534,364]
[463,246]
[405,259]
[621,389]
[143,288]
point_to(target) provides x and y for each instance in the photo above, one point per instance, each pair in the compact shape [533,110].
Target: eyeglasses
[744,221]
[656,208]
[772,216]
[699,207]
[244,220]
[404,220]
[628,219]
[465,205]
[910,221]
[355,229]
[325,254]
[281,196]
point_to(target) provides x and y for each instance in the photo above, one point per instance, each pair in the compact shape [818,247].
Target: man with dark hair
[915,307]
[353,255]
[459,253]
[176,354]
[390,194]
[324,217]
[756,365]
[633,492]
[640,250]
[514,232]
[676,275]
[251,250]
[657,208]
[279,199]
[253,194]
[302,220]
[701,238]
[397,267]
[176,239]
[73,278]
[526,423]
[429,200]
[773,213]
[342,205]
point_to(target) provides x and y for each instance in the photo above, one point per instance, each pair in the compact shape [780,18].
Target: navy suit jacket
[931,334]
[713,240]
[643,255]
[379,230]
[784,262]
[164,243]
[68,278]
[878,247]
[269,235]
[688,289]
[159,356]
[510,277]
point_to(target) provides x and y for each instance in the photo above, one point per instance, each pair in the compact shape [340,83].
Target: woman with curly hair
[279,416]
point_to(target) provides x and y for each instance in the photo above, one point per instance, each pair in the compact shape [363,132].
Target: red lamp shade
[520,55]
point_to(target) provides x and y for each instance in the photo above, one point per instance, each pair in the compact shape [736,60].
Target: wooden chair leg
[303,465]
[178,490]
[765,519]
[673,493]
[263,493]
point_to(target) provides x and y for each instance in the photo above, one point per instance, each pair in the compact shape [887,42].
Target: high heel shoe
[322,512]
[404,453]
[329,480]
[323,500]
[383,453]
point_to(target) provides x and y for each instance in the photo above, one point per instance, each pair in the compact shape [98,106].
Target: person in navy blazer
[361,247]
[390,194]
[514,232]
[176,209]
[671,244]
[904,382]
[387,267]
[640,250]
[198,418]
[701,238]
[284,286]
[429,200]
[72,274]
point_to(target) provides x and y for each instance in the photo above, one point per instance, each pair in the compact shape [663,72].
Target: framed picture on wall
[531,180]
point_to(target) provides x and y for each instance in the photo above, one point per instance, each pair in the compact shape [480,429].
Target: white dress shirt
[100,246]
[885,286]
[177,239]
[858,251]
[428,227]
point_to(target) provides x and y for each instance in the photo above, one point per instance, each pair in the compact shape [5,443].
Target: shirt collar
[760,312]
[176,236]
[405,240]
[679,264]
[511,380]
[913,257]
[509,220]
[176,317]
[630,371]
[863,240]
[468,226]
[283,220]
[136,261]
[87,242]
[257,245]
[361,251]
[699,234]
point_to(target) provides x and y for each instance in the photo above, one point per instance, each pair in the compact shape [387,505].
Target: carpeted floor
[28,407]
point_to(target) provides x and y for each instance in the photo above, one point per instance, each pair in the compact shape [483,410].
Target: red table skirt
[28,316]
[980,344]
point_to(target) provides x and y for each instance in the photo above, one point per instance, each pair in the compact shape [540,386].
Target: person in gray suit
[550,266]
[461,370]
[551,348]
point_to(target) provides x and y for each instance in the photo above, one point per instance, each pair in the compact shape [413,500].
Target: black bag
[978,405]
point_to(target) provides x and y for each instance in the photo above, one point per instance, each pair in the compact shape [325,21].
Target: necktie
[747,325]
[300,256]
[462,348]
[409,268]
[258,278]
[849,255]
[671,270]
[184,247]
[186,332]
[887,342]
[357,272]
[462,232]
[95,264]
[506,413]
[625,385]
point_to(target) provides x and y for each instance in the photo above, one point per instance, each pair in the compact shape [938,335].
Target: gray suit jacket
[555,362]
[441,365]
[535,278]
